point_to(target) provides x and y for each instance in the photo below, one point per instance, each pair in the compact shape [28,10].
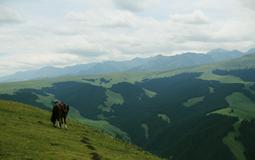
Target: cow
[59,114]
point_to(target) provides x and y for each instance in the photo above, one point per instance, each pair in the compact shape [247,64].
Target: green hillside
[203,113]
[26,133]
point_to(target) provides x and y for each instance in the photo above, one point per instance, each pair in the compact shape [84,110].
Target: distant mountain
[34,74]
[80,69]
[113,66]
[251,51]
[221,54]
[157,63]
[160,63]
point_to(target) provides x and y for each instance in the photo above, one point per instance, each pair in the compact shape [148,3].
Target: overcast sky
[37,33]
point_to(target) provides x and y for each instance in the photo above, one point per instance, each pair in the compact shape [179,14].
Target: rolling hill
[27,134]
[203,112]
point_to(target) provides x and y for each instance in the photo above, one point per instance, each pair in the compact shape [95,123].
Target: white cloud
[196,17]
[26,61]
[8,15]
[119,30]
[136,5]
[249,4]
[103,18]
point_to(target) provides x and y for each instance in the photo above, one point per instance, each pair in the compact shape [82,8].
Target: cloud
[85,52]
[8,15]
[249,4]
[27,61]
[92,31]
[103,18]
[135,5]
[196,17]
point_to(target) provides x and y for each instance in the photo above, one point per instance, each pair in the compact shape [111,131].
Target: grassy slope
[240,63]
[235,146]
[102,125]
[112,99]
[245,62]
[27,134]
[240,106]
[243,108]
[191,102]
[12,87]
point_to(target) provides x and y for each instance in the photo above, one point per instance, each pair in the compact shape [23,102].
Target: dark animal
[59,114]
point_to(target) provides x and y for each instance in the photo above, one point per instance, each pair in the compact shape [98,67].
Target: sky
[38,33]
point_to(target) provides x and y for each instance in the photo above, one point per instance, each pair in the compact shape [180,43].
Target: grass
[193,101]
[114,78]
[149,93]
[146,130]
[113,98]
[243,108]
[235,146]
[46,100]
[102,125]
[243,62]
[27,134]
[223,79]
[12,87]
[211,90]
[240,106]
[248,87]
[164,117]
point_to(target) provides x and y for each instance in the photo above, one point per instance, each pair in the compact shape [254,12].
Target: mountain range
[157,63]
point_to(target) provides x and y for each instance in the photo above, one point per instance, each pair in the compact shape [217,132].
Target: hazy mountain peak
[156,63]
[50,67]
[251,51]
[217,50]
[159,56]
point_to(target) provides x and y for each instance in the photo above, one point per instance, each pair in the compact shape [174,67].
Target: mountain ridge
[156,63]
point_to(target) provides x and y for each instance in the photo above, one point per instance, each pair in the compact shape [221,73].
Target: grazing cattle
[59,114]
